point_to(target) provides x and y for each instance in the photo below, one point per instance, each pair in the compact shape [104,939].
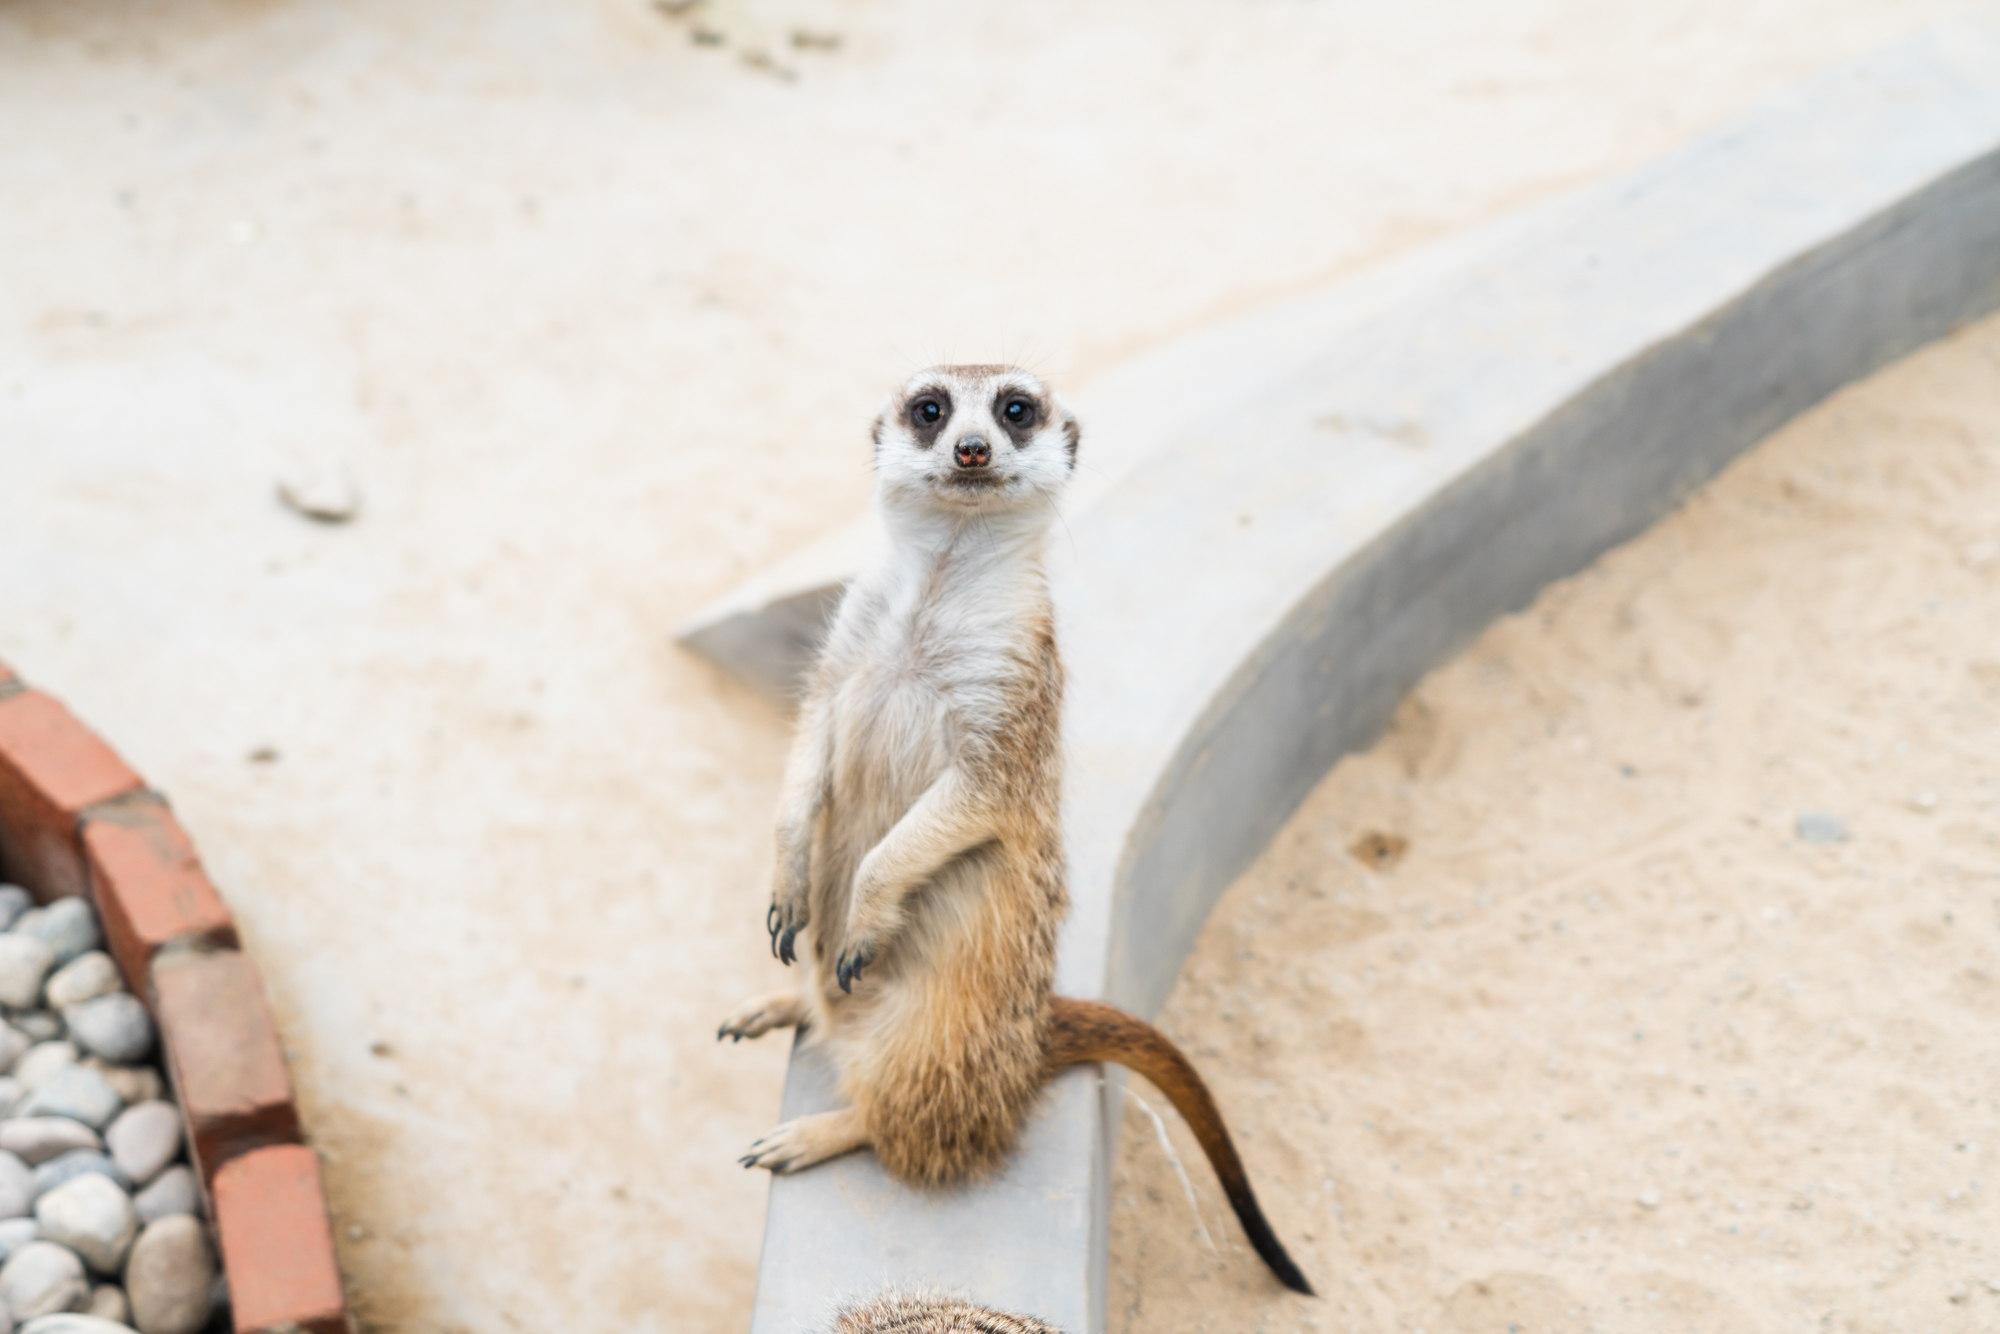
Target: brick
[52,767]
[229,1070]
[270,1218]
[149,886]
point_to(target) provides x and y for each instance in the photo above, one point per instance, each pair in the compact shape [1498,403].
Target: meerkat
[919,845]
[907,1313]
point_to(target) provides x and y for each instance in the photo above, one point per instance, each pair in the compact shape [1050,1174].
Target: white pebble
[107,1302]
[42,1278]
[13,902]
[77,1092]
[144,1139]
[12,1043]
[42,1061]
[172,1192]
[132,1083]
[24,962]
[83,978]
[325,494]
[115,1026]
[14,1234]
[35,1140]
[39,1025]
[1649,1198]
[67,926]
[17,1187]
[171,1277]
[73,1324]
[92,1217]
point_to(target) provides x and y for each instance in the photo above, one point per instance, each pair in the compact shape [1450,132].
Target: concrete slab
[1253,602]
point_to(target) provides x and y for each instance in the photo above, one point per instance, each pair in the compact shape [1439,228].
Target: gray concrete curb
[1345,491]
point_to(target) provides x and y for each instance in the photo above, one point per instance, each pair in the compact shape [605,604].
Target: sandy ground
[1607,1045]
[595,315]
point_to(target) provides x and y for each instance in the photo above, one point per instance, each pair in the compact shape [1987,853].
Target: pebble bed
[101,1227]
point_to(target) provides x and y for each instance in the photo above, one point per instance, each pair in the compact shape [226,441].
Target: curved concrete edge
[1492,520]
[1366,509]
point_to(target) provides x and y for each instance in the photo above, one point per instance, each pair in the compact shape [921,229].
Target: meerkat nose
[973,452]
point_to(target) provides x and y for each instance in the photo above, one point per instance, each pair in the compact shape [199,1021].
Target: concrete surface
[1331,529]
[596,318]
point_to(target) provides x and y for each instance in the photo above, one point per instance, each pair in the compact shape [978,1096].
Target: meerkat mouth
[974,481]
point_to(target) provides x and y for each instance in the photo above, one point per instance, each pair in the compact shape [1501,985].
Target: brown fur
[901,1313]
[944,1096]
[919,843]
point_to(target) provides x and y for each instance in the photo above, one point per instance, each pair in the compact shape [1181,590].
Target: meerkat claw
[785,954]
[850,967]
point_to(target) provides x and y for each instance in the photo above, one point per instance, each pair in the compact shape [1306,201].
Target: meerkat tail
[1082,1031]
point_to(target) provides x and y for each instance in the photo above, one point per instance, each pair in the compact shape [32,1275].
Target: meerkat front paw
[805,1140]
[755,1018]
[785,919]
[857,956]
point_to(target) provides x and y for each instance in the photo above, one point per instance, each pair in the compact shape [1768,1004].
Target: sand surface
[596,316]
[1542,1015]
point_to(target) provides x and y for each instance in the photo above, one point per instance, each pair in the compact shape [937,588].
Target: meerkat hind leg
[759,1015]
[805,1140]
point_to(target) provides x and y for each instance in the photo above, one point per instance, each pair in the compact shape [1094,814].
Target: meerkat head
[976,439]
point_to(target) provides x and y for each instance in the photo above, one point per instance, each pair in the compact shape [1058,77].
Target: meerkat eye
[926,411]
[1019,412]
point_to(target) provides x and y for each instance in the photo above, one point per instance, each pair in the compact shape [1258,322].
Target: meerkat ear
[1072,436]
[875,431]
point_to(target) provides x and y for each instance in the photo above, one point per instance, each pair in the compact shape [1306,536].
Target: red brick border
[75,819]
[164,897]
[52,769]
[270,1214]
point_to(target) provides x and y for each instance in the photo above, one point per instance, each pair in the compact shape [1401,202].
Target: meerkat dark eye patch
[1017,414]
[927,413]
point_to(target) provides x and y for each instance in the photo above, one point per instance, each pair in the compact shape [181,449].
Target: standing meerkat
[920,858]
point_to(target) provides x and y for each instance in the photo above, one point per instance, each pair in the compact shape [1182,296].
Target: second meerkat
[920,858]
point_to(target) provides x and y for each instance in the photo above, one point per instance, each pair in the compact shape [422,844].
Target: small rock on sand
[323,493]
[1820,827]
